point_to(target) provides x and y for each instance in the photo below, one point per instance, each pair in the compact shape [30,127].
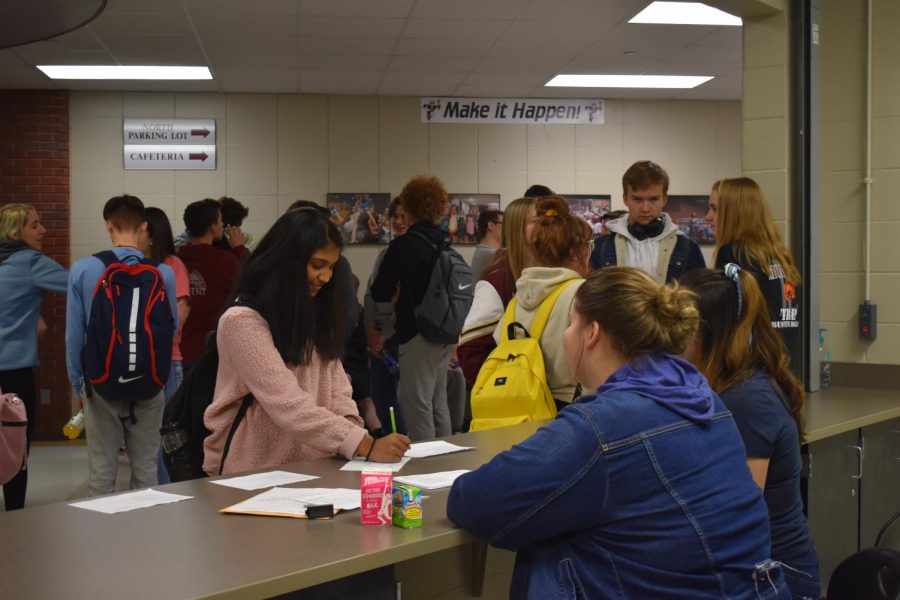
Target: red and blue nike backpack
[128,342]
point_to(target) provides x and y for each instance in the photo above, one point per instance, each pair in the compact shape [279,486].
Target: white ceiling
[484,48]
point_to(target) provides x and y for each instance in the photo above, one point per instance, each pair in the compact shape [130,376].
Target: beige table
[189,550]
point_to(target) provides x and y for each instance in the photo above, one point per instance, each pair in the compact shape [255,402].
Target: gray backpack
[442,312]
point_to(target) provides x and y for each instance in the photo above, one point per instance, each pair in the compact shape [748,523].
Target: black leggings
[21,383]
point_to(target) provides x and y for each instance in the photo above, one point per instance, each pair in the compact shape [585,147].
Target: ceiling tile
[541,32]
[582,10]
[242,7]
[265,44]
[455,30]
[339,76]
[424,77]
[413,89]
[350,27]
[347,46]
[151,57]
[255,74]
[447,48]
[506,78]
[261,86]
[428,63]
[356,8]
[141,6]
[471,9]
[159,41]
[112,22]
[343,61]
[561,50]
[729,37]
[520,65]
[347,87]
[629,33]
[244,25]
[493,91]
[41,56]
[284,60]
[679,67]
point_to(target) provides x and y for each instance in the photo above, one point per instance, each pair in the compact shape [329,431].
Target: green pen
[393,420]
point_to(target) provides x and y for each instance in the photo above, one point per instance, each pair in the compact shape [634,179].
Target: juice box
[375,494]
[407,505]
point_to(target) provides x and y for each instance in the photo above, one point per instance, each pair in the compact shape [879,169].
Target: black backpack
[441,314]
[183,431]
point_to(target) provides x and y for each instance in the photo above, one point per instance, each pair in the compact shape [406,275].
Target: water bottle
[824,361]
[75,426]
[390,362]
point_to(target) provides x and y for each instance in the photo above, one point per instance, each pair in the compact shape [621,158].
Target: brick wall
[34,169]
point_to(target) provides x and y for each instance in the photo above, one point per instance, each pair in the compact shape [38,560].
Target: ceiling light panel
[124,72]
[684,13]
[628,81]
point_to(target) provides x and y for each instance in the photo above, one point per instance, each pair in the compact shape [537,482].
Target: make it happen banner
[526,111]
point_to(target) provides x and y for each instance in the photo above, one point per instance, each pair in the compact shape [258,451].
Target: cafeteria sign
[526,111]
[170,144]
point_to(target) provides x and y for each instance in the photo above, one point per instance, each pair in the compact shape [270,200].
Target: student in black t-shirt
[746,235]
[743,359]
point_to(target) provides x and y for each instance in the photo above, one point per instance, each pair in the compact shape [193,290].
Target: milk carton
[375,491]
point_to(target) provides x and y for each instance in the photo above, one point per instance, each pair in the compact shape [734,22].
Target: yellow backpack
[511,386]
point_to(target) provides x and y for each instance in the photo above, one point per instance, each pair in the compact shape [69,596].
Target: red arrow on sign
[199,132]
[201,156]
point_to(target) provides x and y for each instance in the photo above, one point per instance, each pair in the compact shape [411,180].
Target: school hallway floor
[58,473]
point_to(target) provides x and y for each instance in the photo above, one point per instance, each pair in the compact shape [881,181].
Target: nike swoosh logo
[123,380]
[462,287]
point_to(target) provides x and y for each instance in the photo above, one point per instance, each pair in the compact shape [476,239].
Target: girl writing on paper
[286,352]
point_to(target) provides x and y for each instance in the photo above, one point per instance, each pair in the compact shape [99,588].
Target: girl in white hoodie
[560,247]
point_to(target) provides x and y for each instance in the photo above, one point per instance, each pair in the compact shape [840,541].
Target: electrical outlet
[45,397]
[868,321]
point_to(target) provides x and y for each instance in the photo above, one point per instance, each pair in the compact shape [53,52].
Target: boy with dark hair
[490,237]
[646,237]
[212,273]
[109,422]
[233,215]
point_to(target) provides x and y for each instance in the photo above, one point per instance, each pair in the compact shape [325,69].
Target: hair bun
[550,212]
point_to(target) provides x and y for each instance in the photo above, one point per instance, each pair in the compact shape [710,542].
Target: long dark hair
[160,231]
[732,347]
[275,277]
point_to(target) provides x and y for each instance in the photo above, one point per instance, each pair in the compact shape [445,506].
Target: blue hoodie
[671,381]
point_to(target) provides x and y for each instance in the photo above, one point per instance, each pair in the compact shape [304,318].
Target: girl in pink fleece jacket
[286,353]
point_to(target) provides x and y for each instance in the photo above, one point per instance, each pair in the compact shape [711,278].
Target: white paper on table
[432,481]
[129,501]
[364,465]
[293,501]
[435,448]
[264,480]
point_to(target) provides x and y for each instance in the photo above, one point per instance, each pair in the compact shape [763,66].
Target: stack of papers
[130,501]
[364,465]
[425,449]
[292,502]
[432,481]
[263,480]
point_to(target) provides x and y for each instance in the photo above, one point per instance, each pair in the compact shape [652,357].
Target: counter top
[839,409]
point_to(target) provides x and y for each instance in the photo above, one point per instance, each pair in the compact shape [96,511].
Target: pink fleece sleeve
[342,403]
[245,343]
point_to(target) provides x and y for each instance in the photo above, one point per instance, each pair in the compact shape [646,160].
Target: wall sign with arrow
[169,144]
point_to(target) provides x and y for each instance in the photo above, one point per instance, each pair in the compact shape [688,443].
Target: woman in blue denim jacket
[640,490]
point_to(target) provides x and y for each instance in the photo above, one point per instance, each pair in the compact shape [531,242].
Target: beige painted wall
[843,88]
[275,148]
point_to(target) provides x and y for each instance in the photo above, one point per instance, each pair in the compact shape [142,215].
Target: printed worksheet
[129,501]
[292,502]
[364,465]
[263,480]
[432,481]
[436,448]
